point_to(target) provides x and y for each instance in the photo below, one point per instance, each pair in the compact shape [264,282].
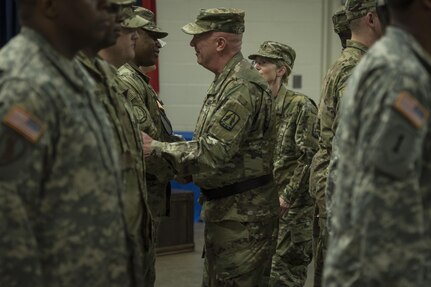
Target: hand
[284,206]
[147,140]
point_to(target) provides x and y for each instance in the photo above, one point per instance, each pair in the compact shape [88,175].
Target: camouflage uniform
[382,202]
[128,138]
[295,147]
[329,103]
[60,213]
[233,143]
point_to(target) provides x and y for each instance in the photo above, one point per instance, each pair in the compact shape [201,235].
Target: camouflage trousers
[320,244]
[294,248]
[238,253]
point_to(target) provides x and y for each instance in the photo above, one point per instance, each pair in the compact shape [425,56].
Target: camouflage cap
[358,8]
[339,19]
[151,27]
[228,20]
[122,2]
[276,51]
[131,19]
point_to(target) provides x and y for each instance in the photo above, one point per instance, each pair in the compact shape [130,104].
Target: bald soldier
[365,28]
[127,136]
[61,217]
[230,156]
[295,146]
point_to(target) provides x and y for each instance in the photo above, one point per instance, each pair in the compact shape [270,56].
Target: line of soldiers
[87,151]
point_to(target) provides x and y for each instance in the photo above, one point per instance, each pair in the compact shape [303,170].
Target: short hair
[279,64]
[399,4]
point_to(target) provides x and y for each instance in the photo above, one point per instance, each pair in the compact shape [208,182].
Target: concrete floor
[185,269]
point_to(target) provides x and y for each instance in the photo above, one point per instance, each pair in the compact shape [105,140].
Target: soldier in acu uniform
[230,156]
[128,138]
[381,232]
[61,217]
[294,149]
[365,27]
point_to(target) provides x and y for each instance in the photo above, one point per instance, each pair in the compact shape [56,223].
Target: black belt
[235,188]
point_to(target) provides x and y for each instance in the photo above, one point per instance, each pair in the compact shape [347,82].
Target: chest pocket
[206,115]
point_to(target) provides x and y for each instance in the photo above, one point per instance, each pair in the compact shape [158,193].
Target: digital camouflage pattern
[296,144]
[382,201]
[60,215]
[128,138]
[332,92]
[149,111]
[230,20]
[233,142]
[358,8]
[276,51]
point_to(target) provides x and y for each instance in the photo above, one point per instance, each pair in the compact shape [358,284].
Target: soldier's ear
[281,71]
[221,43]
[49,8]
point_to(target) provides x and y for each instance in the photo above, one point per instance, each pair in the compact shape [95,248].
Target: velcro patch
[411,109]
[24,123]
[140,114]
[229,120]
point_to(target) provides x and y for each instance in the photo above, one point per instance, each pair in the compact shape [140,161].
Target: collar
[227,70]
[356,45]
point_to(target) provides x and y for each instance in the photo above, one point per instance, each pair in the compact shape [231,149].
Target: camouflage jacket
[295,146]
[152,118]
[60,214]
[382,200]
[128,138]
[233,141]
[332,92]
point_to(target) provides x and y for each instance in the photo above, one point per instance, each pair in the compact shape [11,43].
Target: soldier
[128,138]
[61,220]
[365,27]
[382,201]
[231,155]
[295,146]
[341,25]
[149,110]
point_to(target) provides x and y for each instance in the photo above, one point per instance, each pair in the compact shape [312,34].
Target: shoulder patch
[229,120]
[411,109]
[24,123]
[140,114]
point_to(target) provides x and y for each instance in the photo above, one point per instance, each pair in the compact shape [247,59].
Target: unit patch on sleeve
[140,113]
[411,109]
[229,120]
[24,123]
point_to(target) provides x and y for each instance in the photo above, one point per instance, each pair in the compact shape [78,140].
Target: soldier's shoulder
[244,72]
[301,100]
[125,71]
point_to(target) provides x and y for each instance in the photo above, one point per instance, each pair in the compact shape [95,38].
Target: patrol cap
[229,20]
[358,8]
[151,27]
[277,51]
[339,19]
[131,19]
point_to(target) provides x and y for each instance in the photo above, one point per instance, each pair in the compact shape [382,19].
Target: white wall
[303,24]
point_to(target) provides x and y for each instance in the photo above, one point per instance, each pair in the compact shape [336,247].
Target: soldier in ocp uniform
[381,230]
[230,156]
[61,217]
[295,146]
[365,27]
[128,138]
